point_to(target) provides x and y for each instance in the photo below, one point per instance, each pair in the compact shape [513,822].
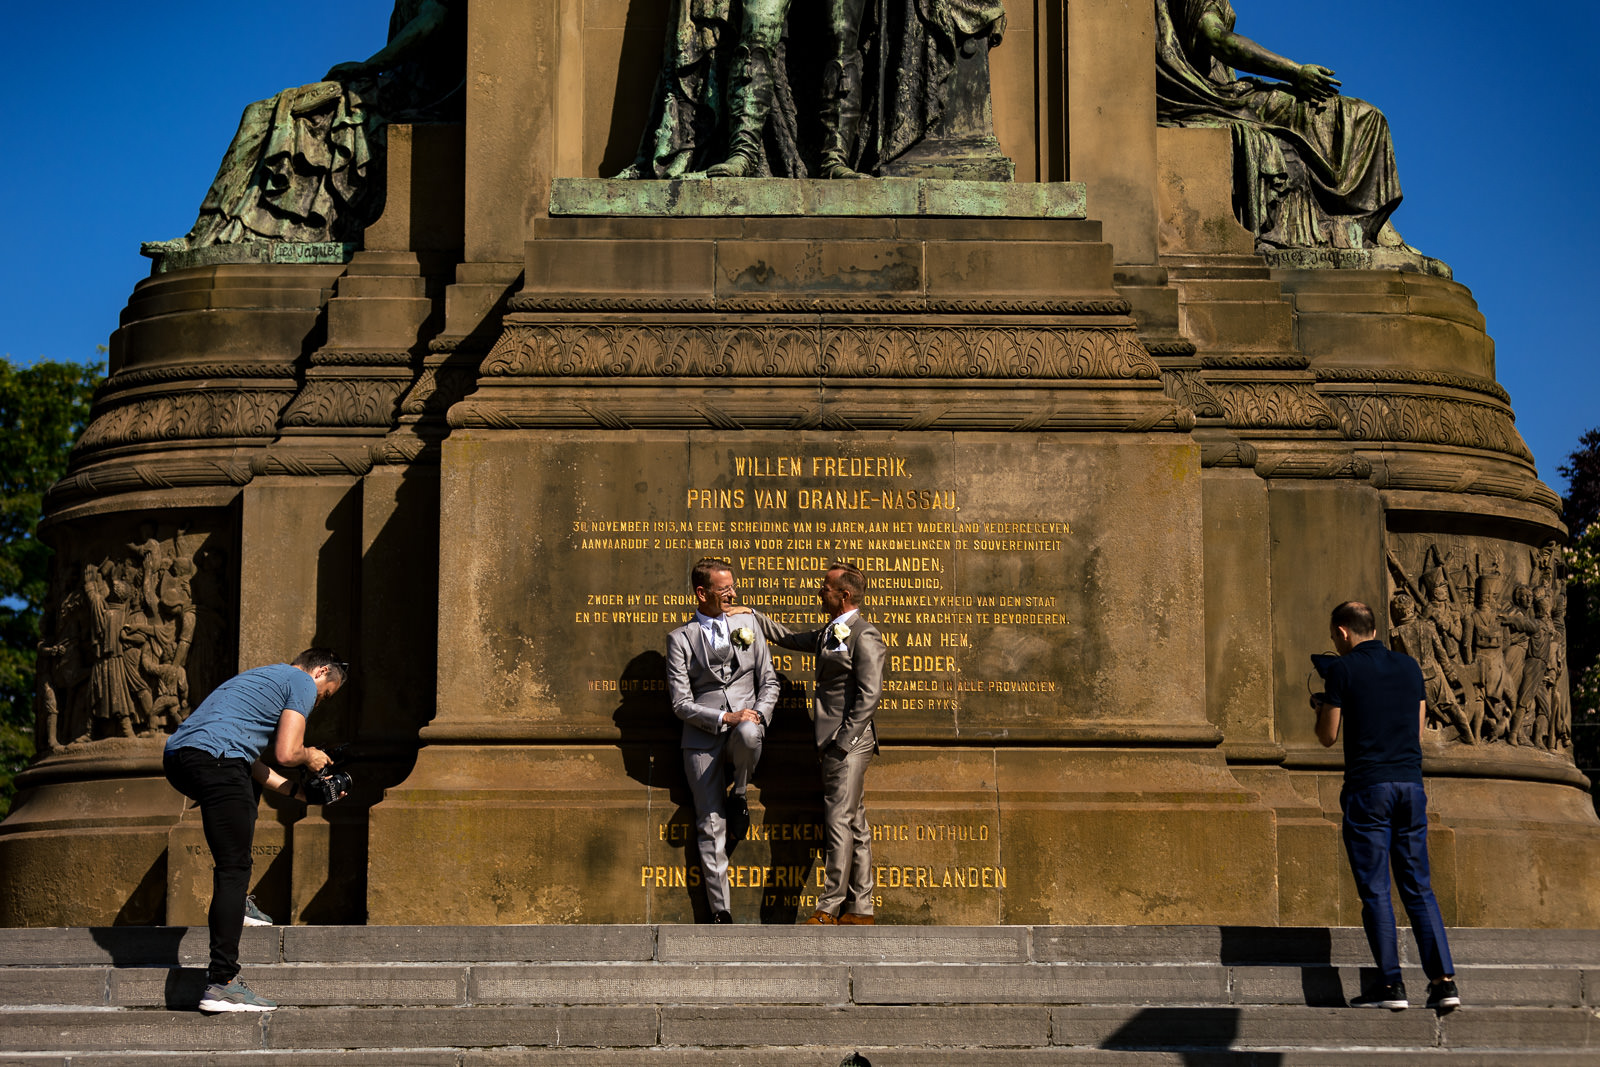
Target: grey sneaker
[235,996]
[254,916]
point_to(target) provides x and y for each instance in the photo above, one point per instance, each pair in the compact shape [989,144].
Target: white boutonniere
[839,631]
[742,637]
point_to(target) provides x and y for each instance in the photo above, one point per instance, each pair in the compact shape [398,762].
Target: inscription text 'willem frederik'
[782,519]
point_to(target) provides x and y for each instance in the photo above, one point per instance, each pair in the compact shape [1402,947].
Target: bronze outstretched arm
[1310,81]
[411,36]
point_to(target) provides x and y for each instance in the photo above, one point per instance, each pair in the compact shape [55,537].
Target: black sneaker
[1392,997]
[254,916]
[1443,995]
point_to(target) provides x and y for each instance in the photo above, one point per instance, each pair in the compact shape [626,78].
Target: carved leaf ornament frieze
[198,415]
[1273,405]
[1434,420]
[601,350]
[336,402]
[1188,388]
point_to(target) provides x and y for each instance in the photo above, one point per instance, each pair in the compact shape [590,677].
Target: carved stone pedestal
[962,406]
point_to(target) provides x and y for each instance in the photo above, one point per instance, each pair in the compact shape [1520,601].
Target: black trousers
[228,797]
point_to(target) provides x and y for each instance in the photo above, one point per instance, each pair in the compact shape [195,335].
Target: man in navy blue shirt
[1377,695]
[214,759]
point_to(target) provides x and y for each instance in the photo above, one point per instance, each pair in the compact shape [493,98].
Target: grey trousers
[848,863]
[741,747]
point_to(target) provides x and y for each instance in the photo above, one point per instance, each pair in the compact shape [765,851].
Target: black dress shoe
[722,918]
[737,807]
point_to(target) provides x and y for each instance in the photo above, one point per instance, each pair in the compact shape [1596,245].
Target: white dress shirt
[716,630]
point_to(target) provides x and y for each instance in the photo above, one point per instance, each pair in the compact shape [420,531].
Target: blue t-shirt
[1377,691]
[239,717]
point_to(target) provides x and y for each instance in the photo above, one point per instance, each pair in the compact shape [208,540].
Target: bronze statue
[751,87]
[899,75]
[300,167]
[1311,168]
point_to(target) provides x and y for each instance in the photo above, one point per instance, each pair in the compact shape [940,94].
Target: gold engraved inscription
[780,519]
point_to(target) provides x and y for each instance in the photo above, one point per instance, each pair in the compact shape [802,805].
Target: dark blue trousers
[1387,825]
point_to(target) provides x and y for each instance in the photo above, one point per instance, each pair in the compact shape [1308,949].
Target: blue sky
[116,115]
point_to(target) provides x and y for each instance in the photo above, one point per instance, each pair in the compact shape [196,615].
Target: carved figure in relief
[119,698]
[301,166]
[60,677]
[1419,639]
[1312,168]
[119,645]
[1519,625]
[720,682]
[1442,611]
[1501,667]
[1489,691]
[1561,697]
[1540,676]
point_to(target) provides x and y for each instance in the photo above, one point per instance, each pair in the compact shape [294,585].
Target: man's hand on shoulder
[738,609]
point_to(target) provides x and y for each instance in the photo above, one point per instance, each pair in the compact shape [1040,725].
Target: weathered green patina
[305,168]
[839,90]
[875,197]
[1312,169]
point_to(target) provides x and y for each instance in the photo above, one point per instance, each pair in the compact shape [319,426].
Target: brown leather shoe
[821,918]
[851,918]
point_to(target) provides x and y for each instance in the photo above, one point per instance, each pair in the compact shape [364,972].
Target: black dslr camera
[1321,661]
[330,784]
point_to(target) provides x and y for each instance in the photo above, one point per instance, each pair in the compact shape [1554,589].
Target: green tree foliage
[43,409]
[1582,470]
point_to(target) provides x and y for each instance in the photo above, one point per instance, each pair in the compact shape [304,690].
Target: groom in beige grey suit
[721,684]
[850,659]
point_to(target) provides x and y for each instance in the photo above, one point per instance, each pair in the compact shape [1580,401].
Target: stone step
[1184,268]
[128,946]
[1264,290]
[439,985]
[758,995]
[1131,1028]
[821,1056]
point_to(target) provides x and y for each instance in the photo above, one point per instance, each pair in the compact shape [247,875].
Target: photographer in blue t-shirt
[1378,697]
[214,759]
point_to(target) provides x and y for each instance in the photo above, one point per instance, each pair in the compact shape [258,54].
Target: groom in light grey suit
[721,684]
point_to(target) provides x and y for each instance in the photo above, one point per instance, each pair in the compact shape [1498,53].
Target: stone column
[1111,107]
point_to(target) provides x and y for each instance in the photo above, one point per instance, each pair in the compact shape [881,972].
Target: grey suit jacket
[849,680]
[699,697]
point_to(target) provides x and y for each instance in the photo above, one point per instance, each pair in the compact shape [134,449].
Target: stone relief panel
[1486,620]
[137,631]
